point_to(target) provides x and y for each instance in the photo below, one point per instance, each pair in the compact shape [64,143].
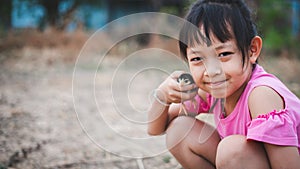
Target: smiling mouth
[215,84]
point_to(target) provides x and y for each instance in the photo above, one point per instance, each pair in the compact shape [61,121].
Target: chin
[218,94]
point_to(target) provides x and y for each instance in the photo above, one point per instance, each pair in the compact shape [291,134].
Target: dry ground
[39,127]
[40,114]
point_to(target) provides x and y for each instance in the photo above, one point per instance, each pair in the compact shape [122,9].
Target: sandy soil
[53,117]
[44,124]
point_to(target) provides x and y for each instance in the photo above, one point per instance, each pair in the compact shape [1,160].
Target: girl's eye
[196,59]
[225,54]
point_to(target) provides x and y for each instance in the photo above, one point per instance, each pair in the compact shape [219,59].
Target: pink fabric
[273,127]
[278,128]
[198,105]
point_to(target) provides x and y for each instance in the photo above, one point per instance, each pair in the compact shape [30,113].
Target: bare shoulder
[264,99]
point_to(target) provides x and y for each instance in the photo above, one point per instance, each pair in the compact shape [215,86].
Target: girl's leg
[235,152]
[192,142]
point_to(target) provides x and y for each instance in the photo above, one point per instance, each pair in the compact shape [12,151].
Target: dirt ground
[46,124]
[54,114]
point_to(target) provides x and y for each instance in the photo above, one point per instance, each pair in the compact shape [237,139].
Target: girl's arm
[263,100]
[163,109]
[160,116]
[283,156]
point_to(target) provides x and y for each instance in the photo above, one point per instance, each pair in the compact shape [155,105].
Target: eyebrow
[218,47]
[222,46]
[196,51]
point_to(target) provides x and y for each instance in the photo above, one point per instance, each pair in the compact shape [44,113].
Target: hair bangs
[222,19]
[190,36]
[219,26]
[198,30]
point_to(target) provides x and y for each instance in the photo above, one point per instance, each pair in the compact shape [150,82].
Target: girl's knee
[235,151]
[182,138]
[229,150]
[177,131]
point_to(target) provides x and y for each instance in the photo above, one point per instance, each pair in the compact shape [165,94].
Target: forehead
[214,44]
[201,36]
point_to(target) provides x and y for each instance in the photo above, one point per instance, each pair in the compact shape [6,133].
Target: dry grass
[286,69]
[69,43]
[50,47]
[49,38]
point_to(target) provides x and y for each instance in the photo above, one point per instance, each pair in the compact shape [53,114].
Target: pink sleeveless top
[276,127]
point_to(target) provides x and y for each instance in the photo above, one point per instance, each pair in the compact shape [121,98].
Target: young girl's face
[218,68]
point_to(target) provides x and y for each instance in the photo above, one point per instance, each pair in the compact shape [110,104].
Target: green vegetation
[166,159]
[274,24]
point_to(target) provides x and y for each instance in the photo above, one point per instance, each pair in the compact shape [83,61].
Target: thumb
[176,74]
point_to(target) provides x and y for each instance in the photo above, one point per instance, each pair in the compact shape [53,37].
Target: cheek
[233,68]
[237,73]
[197,73]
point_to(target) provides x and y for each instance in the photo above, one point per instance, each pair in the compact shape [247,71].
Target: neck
[232,100]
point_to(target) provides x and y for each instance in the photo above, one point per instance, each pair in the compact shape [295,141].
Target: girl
[257,118]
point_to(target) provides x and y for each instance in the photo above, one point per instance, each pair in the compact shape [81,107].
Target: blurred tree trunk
[5,14]
[53,17]
[68,16]
[51,10]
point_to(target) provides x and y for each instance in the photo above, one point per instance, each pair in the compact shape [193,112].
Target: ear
[255,49]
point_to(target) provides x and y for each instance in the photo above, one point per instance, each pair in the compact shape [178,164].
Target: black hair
[225,19]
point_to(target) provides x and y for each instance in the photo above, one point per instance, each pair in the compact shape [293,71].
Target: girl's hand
[170,91]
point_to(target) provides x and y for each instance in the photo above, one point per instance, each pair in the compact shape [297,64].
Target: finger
[176,74]
[177,97]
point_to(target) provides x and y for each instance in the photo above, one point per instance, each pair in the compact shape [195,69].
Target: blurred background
[40,41]
[278,20]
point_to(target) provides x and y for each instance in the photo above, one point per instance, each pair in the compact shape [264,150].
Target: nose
[213,67]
